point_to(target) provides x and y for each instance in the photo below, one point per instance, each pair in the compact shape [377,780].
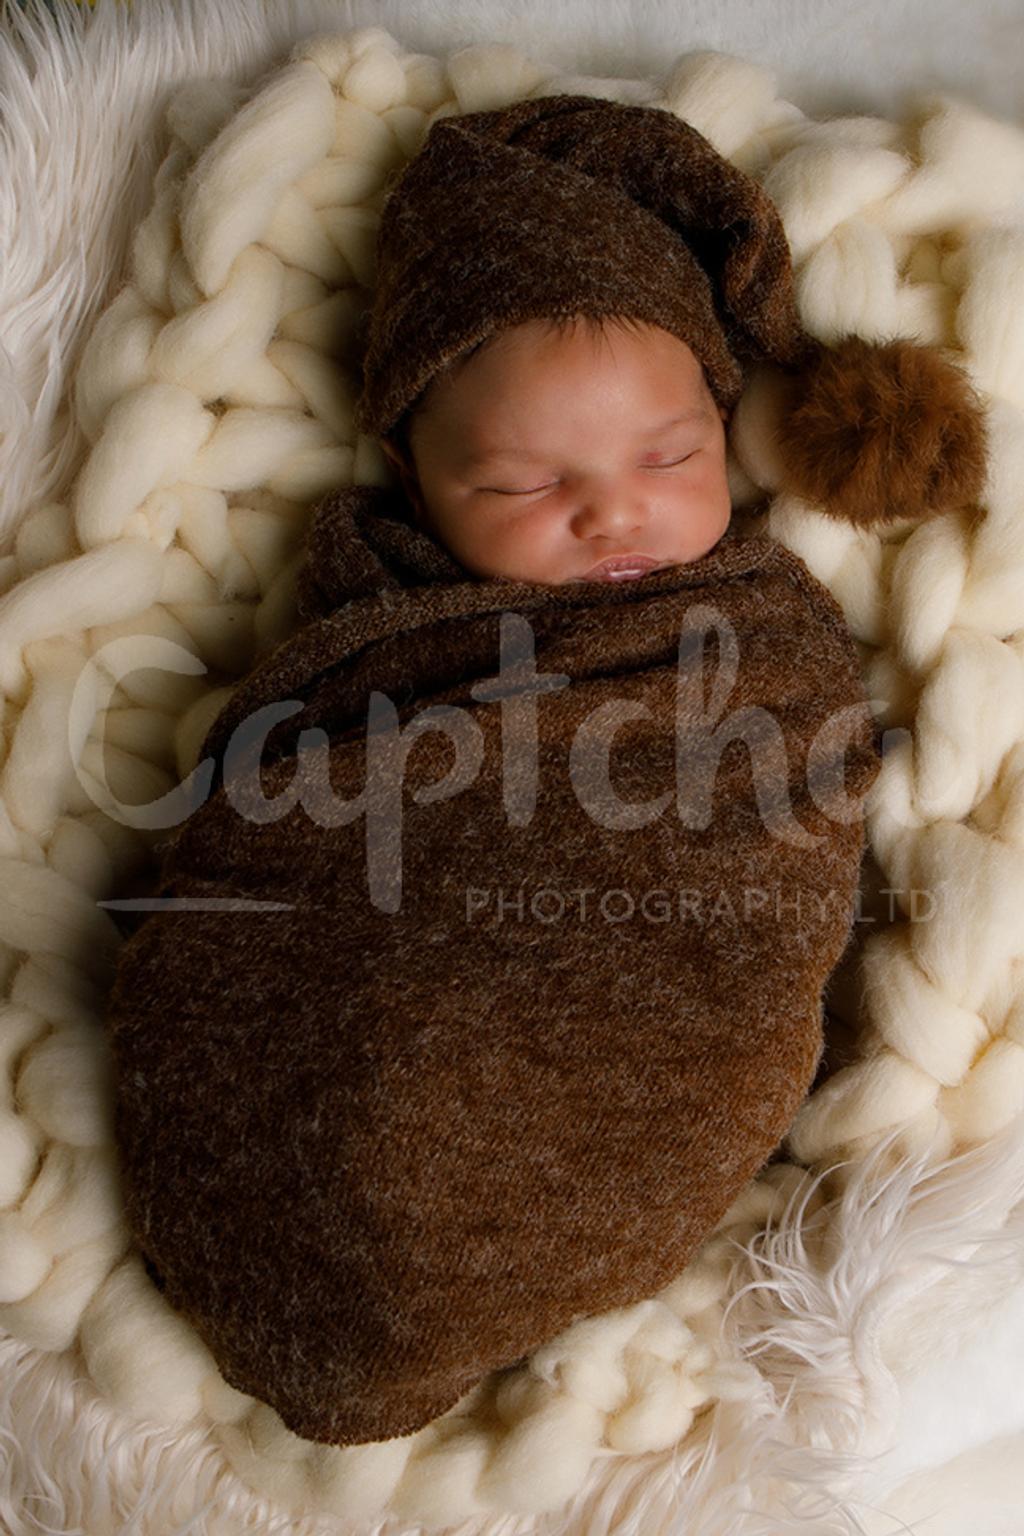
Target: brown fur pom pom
[876,432]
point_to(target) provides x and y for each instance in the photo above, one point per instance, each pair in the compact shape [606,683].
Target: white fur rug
[792,1377]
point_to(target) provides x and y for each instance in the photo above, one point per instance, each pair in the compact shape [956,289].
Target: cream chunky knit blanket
[214,396]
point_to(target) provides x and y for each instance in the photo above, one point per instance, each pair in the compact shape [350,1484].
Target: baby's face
[548,453]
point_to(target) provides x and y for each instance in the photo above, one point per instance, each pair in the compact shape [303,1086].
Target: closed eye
[672,463]
[489,490]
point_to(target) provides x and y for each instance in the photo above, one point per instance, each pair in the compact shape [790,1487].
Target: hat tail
[875,432]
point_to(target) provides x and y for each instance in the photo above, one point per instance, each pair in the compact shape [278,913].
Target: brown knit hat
[574,205]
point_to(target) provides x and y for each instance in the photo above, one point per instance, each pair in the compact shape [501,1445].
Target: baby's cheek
[489,545]
[715,485]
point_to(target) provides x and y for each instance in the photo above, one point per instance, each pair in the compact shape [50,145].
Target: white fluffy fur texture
[184,526]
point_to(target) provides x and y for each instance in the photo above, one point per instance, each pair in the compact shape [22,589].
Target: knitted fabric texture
[573,205]
[352,1138]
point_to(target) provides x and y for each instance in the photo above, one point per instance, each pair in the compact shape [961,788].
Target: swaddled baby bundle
[535,990]
[491,966]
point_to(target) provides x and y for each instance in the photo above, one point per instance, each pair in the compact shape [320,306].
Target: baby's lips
[622,568]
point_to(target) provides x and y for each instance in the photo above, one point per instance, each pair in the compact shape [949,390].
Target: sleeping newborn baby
[497,959]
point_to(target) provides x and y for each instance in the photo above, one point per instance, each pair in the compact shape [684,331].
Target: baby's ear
[407,475]
[392,452]
[400,460]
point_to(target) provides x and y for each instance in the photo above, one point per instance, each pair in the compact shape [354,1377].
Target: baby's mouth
[622,568]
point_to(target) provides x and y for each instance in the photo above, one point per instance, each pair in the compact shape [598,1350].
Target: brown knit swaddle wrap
[373,1155]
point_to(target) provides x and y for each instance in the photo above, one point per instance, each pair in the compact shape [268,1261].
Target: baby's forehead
[634,372]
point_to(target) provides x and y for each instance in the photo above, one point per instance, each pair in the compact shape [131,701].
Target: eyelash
[490,490]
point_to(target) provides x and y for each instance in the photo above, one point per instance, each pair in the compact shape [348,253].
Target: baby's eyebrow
[698,415]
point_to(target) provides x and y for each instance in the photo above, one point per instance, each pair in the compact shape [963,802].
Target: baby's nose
[610,513]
